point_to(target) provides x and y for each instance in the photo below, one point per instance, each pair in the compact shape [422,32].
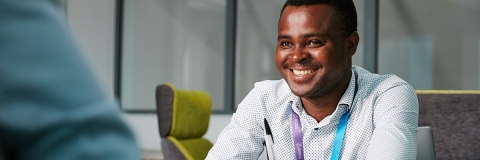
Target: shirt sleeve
[243,137]
[395,124]
[51,104]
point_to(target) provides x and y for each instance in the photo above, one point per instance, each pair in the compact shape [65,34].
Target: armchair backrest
[453,117]
[183,118]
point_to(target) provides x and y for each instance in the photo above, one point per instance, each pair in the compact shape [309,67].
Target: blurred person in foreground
[323,108]
[51,104]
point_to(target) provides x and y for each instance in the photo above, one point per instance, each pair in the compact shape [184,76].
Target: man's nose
[299,54]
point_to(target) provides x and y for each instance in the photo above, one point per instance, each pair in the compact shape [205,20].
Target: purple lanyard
[337,143]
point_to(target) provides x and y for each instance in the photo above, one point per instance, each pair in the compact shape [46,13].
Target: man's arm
[51,104]
[243,137]
[396,121]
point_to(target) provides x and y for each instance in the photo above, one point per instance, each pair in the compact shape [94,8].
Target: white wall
[93,24]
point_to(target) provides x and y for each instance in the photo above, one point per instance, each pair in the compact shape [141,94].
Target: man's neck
[321,107]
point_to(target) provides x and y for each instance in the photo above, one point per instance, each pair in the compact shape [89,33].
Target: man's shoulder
[272,86]
[379,82]
[272,90]
[264,95]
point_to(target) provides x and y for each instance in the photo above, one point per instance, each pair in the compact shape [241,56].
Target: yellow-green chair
[183,117]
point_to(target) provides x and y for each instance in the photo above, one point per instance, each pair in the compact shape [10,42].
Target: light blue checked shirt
[382,125]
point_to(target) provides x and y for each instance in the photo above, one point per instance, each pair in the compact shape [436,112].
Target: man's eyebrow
[309,35]
[283,36]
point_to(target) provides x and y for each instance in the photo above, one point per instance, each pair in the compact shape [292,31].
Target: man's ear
[352,43]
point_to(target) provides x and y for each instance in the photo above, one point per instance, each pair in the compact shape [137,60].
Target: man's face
[311,53]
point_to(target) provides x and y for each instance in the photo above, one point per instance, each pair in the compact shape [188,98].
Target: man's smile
[302,73]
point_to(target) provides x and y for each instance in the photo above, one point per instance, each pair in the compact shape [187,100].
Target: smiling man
[323,108]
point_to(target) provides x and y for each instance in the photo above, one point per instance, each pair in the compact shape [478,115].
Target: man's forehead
[296,17]
[321,11]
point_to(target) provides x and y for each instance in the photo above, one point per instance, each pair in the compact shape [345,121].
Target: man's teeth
[302,72]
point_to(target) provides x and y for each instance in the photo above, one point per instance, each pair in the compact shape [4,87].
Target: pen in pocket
[269,139]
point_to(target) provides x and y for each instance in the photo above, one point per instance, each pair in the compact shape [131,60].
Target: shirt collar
[347,97]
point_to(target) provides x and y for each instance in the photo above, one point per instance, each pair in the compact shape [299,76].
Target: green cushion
[192,149]
[182,113]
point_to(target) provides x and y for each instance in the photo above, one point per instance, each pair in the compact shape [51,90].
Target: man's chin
[305,91]
[300,91]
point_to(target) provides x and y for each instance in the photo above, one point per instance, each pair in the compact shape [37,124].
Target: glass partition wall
[179,42]
[431,44]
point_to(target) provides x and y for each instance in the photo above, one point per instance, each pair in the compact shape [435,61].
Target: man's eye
[285,43]
[315,42]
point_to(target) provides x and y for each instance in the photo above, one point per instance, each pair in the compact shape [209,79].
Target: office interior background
[224,48]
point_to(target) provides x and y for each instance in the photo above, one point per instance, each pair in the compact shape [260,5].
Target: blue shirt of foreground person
[51,105]
[323,108]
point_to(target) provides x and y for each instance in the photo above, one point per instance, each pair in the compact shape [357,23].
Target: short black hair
[346,8]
